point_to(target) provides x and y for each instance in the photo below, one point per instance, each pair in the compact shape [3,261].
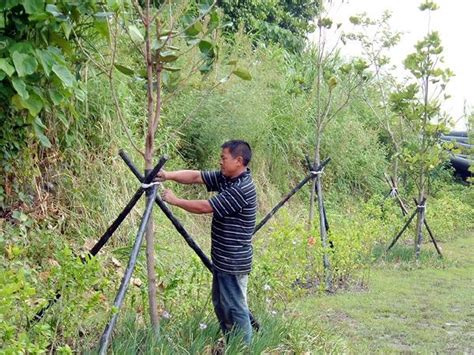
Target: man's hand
[160,177]
[169,196]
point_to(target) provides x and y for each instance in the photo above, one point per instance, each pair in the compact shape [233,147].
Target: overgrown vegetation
[63,183]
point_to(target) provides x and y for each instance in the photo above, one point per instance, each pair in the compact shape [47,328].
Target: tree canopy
[285,22]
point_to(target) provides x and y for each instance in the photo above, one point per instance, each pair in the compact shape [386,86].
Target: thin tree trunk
[322,221]
[149,149]
[324,237]
[317,160]
[419,226]
[150,252]
[311,204]
[421,211]
[316,185]
[318,129]
[150,262]
[395,171]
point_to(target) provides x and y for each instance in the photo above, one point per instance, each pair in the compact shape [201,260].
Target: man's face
[230,167]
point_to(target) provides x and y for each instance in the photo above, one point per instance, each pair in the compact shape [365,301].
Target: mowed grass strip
[408,307]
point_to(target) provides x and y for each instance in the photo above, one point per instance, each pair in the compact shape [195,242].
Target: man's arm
[193,206]
[181,176]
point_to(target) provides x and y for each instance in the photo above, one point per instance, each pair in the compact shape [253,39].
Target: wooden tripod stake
[420,208]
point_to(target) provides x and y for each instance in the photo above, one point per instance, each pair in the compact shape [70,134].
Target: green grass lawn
[408,307]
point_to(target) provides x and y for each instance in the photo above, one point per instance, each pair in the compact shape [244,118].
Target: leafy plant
[419,105]
[35,67]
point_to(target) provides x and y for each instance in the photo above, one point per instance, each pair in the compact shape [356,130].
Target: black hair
[239,148]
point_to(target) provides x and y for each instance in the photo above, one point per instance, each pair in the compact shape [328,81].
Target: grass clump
[199,333]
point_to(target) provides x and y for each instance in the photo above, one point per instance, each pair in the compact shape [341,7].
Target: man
[234,211]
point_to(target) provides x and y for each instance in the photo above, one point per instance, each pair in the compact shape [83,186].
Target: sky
[453,20]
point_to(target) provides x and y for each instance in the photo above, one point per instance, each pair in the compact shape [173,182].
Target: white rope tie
[319,172]
[393,192]
[146,186]
[421,207]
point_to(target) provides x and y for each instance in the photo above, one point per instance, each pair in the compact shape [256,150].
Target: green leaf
[242,74]
[207,48]
[429,5]
[355,20]
[57,56]
[332,82]
[213,21]
[115,5]
[32,6]
[205,68]
[124,70]
[63,119]
[67,28]
[39,128]
[56,96]
[204,6]
[22,47]
[157,44]
[360,65]
[325,22]
[39,17]
[20,87]
[102,28]
[171,68]
[40,123]
[19,216]
[194,29]
[33,104]
[64,74]
[24,63]
[135,34]
[16,102]
[6,5]
[168,56]
[46,60]
[346,68]
[80,95]
[6,66]
[53,10]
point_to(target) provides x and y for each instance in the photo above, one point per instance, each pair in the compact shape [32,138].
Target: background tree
[419,105]
[376,39]
[285,22]
[329,96]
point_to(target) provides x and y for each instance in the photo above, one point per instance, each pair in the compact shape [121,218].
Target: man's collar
[244,173]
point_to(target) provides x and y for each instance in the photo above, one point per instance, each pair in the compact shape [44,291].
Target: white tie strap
[146,186]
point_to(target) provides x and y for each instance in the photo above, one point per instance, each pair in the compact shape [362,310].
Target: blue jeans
[229,297]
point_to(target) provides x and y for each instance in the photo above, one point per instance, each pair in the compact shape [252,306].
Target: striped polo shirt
[233,221]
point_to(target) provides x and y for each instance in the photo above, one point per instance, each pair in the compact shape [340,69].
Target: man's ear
[240,160]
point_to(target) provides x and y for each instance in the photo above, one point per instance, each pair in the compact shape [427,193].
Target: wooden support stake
[290,194]
[105,339]
[433,240]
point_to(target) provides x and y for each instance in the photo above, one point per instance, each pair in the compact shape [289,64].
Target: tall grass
[200,334]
